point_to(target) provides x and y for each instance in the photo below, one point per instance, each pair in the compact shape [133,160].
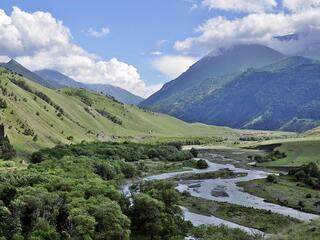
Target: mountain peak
[229,61]
[13,62]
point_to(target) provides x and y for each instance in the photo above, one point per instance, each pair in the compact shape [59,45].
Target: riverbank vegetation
[262,220]
[222,173]
[72,192]
[285,191]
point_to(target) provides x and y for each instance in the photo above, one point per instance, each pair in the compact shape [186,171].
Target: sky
[141,44]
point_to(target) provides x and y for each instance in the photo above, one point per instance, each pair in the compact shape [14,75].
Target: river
[234,194]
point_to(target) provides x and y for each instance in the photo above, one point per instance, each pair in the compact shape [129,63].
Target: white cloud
[157,53]
[161,42]
[250,6]
[173,65]
[260,28]
[97,34]
[193,7]
[300,5]
[45,42]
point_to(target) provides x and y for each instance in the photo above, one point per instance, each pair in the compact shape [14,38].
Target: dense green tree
[7,151]
[44,231]
[147,215]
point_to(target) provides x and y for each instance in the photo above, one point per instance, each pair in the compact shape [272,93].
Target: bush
[109,116]
[300,175]
[202,164]
[272,178]
[3,103]
[70,138]
[36,157]
[7,151]
[194,152]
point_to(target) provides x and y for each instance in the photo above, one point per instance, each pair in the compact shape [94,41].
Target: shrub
[7,151]
[272,178]
[194,152]
[202,164]
[3,103]
[70,138]
[300,175]
[36,157]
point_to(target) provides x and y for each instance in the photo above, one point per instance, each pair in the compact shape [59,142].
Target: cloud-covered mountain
[282,95]
[228,61]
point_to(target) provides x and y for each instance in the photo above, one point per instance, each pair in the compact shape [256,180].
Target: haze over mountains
[56,80]
[247,86]
[62,80]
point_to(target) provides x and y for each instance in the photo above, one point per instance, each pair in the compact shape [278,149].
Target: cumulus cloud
[300,5]
[250,6]
[173,65]
[97,34]
[46,43]
[220,32]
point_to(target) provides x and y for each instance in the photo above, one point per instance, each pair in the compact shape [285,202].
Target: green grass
[285,192]
[250,217]
[309,231]
[84,122]
[298,152]
[137,124]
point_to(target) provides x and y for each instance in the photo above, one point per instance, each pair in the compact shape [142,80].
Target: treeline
[273,156]
[126,151]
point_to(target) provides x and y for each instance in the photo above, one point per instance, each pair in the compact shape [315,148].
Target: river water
[234,194]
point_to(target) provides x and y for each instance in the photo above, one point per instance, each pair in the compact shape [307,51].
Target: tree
[111,223]
[44,231]
[147,215]
[7,151]
[3,103]
[194,152]
[36,157]
[9,225]
[300,175]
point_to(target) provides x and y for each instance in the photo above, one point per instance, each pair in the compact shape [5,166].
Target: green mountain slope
[73,115]
[280,96]
[18,68]
[228,61]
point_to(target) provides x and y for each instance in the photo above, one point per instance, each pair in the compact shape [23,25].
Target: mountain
[226,62]
[35,117]
[282,96]
[118,93]
[18,68]
[59,80]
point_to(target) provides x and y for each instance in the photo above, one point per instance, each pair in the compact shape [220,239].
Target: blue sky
[141,44]
[135,26]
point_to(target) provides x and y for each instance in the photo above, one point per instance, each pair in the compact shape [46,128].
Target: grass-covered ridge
[37,117]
